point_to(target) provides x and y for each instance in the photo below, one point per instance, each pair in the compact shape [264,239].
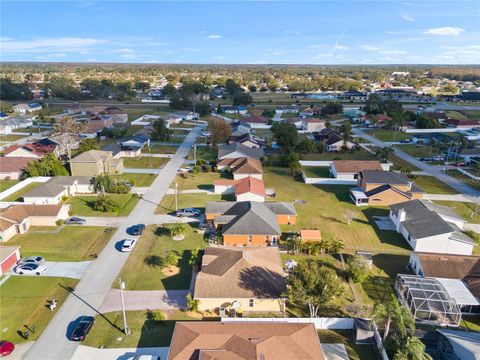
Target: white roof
[458,291]
[359,193]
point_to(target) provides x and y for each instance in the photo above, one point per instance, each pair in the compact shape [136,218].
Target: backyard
[355,352]
[83,205]
[206,153]
[160,149]
[201,180]
[24,304]
[418,151]
[144,269]
[8,138]
[328,156]
[17,196]
[469,211]
[314,171]
[70,243]
[144,162]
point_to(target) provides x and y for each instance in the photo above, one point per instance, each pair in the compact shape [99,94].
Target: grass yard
[399,164]
[418,151]
[464,209]
[28,130]
[7,184]
[143,270]
[313,171]
[471,323]
[24,302]
[455,114]
[83,205]
[160,149]
[201,180]
[206,153]
[198,200]
[458,175]
[328,156]
[324,208]
[264,133]
[431,185]
[71,243]
[18,195]
[388,135]
[139,180]
[355,352]
[144,162]
[8,138]
[145,332]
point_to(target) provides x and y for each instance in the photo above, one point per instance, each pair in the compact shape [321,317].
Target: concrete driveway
[74,270]
[87,352]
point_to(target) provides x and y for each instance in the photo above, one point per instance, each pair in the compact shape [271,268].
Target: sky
[241,32]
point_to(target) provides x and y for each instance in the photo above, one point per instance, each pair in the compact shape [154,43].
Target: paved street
[95,285]
[145,300]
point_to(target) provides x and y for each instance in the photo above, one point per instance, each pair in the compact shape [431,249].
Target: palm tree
[102,183]
[385,312]
[410,348]
[177,230]
[294,243]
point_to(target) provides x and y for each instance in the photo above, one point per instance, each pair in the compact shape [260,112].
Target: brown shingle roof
[232,272]
[250,185]
[14,164]
[355,166]
[15,214]
[247,166]
[202,340]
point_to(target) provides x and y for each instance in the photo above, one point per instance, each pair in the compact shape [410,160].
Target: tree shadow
[392,264]
[378,288]
[341,192]
[262,282]
[162,231]
[181,280]
[153,261]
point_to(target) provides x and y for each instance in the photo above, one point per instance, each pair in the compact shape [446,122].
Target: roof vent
[254,340]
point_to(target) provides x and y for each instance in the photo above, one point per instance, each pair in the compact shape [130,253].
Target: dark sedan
[82,328]
[136,229]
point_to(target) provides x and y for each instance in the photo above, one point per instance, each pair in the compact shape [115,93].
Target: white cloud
[408,18]
[392,52]
[125,51]
[63,44]
[324,55]
[214,36]
[369,48]
[191,49]
[340,47]
[445,31]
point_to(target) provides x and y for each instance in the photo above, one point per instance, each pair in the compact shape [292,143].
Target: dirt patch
[171,270]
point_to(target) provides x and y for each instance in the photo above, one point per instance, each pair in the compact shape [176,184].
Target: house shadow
[378,288]
[154,333]
[392,264]
[390,237]
[181,280]
[262,282]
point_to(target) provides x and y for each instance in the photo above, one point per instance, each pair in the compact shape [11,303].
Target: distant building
[313,124]
[95,162]
[52,191]
[27,108]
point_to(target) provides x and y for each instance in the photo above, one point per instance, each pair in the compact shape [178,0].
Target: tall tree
[160,131]
[50,165]
[102,183]
[285,135]
[219,130]
[346,130]
[68,125]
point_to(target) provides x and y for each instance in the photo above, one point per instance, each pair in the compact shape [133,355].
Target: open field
[71,243]
[144,269]
[313,171]
[139,180]
[8,138]
[83,205]
[198,200]
[355,352]
[7,184]
[201,180]
[17,196]
[464,209]
[388,135]
[24,302]
[206,153]
[458,175]
[144,162]
[160,149]
[431,185]
[418,151]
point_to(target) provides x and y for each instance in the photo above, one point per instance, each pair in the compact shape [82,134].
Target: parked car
[185,169]
[75,221]
[128,245]
[459,164]
[6,348]
[82,328]
[405,141]
[38,260]
[30,269]
[188,212]
[144,357]
[136,229]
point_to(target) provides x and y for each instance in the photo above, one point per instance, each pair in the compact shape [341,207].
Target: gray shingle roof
[384,177]
[56,185]
[244,151]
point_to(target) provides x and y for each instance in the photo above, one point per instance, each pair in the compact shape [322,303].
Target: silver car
[30,269]
[37,260]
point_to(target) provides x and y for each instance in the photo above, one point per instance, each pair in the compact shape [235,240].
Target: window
[250,303]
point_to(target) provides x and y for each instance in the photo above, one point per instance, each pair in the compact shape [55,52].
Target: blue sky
[238,32]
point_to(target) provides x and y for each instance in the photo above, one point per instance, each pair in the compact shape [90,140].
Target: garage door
[9,262]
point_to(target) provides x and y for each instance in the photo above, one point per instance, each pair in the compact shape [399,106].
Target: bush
[473,235]
[357,269]
[119,189]
[104,203]
[171,259]
[59,222]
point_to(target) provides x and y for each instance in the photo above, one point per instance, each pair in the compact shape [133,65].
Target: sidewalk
[145,300]
[87,352]
[444,197]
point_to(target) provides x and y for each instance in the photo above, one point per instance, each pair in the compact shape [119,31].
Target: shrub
[171,259]
[59,222]
[192,303]
[104,203]
[119,189]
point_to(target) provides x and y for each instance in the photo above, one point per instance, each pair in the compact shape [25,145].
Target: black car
[82,328]
[136,229]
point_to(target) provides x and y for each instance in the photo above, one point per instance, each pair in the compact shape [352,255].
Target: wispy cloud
[61,44]
[214,36]
[340,47]
[369,48]
[392,52]
[408,18]
[445,31]
[191,49]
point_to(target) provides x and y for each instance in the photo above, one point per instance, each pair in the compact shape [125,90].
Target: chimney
[410,183]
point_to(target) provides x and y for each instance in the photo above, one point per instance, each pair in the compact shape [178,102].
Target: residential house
[17,219]
[463,123]
[9,255]
[255,122]
[432,228]
[250,223]
[248,140]
[59,146]
[27,108]
[185,115]
[95,162]
[286,109]
[354,95]
[297,121]
[429,137]
[17,122]
[379,119]
[468,154]
[239,128]
[250,276]
[136,142]
[26,150]
[311,111]
[202,340]
[236,150]
[349,169]
[95,125]
[313,124]
[453,272]
[383,188]
[52,191]
[242,167]
[11,167]
[238,109]
[336,143]
[246,189]
[456,345]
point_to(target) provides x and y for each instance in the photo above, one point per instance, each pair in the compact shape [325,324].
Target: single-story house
[428,137]
[27,150]
[5,129]
[17,219]
[95,162]
[252,277]
[199,340]
[354,95]
[462,268]
[9,255]
[239,109]
[136,142]
[313,124]
[432,228]
[255,121]
[185,115]
[297,121]
[236,150]
[380,118]
[311,111]
[245,189]
[468,154]
[17,121]
[250,222]
[239,128]
[336,143]
[287,109]
[310,235]
[27,108]
[463,123]
[349,169]
[383,188]
[52,191]
[247,139]
[242,167]
[11,167]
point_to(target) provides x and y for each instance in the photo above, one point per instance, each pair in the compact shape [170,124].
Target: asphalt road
[91,291]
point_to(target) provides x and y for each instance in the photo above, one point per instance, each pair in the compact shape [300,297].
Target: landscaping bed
[145,162]
[83,205]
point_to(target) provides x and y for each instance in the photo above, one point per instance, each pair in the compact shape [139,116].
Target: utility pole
[195,154]
[176,196]
[122,287]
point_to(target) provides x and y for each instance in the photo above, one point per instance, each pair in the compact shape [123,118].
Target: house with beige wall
[52,191]
[95,162]
[243,279]
[245,189]
[242,167]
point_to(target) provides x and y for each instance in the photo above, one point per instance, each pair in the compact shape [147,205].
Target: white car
[30,269]
[128,245]
[186,169]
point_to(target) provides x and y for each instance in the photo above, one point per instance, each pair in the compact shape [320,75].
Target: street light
[122,287]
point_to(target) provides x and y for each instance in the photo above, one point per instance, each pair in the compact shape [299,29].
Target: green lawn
[82,205]
[206,153]
[320,172]
[160,149]
[72,243]
[9,138]
[324,208]
[464,209]
[458,175]
[264,133]
[30,129]
[145,162]
[145,332]
[388,135]
[139,180]
[355,352]
[328,156]
[418,151]
[24,302]
[455,114]
[7,184]
[431,185]
[198,200]
[198,181]
[399,164]
[143,270]
[471,323]
[18,195]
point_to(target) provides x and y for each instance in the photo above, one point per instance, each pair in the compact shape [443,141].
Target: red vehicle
[6,348]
